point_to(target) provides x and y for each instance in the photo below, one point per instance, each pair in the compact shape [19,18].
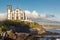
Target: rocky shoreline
[23,36]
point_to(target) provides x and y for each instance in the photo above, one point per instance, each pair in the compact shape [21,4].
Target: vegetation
[19,24]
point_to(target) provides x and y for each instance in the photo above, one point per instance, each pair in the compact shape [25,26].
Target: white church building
[16,14]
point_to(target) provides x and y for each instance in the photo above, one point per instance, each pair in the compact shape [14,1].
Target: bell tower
[9,10]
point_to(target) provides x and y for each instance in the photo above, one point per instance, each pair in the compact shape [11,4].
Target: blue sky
[41,6]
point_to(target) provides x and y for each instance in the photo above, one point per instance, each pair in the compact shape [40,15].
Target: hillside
[21,26]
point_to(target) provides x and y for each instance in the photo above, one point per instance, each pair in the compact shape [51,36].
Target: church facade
[16,14]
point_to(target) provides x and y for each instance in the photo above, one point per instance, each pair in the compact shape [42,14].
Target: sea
[51,37]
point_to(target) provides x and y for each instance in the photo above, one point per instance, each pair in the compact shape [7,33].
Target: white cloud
[28,13]
[43,15]
[3,16]
[32,14]
[35,14]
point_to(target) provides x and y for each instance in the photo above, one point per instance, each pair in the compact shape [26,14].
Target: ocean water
[51,37]
[54,30]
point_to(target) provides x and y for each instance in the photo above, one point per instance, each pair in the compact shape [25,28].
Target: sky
[49,9]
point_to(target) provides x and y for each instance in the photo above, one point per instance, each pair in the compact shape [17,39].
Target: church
[16,14]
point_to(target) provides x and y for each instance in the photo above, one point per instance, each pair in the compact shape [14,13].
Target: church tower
[9,9]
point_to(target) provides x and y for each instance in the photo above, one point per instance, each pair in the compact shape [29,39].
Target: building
[16,14]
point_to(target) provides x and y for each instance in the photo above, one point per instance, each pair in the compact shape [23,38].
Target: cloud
[27,13]
[32,14]
[42,15]
[35,14]
[3,16]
